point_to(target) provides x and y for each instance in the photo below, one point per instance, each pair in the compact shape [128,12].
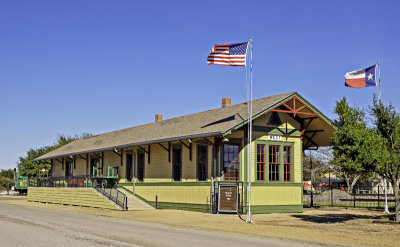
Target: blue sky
[68,67]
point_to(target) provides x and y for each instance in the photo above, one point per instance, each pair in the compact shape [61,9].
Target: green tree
[9,173]
[7,179]
[27,167]
[356,148]
[387,123]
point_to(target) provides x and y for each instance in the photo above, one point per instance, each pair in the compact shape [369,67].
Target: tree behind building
[26,167]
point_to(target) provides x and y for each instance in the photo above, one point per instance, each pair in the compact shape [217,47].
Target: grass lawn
[323,226]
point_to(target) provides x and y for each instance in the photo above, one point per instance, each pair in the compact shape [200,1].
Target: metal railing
[114,195]
[81,181]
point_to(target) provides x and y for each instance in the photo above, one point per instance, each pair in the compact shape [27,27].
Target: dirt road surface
[27,226]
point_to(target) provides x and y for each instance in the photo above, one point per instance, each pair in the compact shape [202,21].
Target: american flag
[228,54]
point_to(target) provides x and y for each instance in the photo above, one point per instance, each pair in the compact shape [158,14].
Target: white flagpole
[250,132]
[386,210]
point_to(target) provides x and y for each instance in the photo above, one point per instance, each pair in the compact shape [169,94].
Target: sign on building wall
[275,137]
[228,198]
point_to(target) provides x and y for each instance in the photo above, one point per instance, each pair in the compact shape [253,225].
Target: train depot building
[199,161]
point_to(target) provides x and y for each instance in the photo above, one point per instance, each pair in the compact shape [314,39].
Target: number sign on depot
[275,137]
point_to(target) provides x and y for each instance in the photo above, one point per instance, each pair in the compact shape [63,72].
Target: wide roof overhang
[316,128]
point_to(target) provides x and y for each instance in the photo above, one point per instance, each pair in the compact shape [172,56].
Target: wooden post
[87,167]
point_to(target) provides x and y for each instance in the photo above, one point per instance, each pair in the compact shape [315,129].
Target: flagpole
[380,85]
[250,132]
[386,210]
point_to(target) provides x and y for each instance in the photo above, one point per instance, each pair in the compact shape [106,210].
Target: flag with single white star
[361,78]
[228,54]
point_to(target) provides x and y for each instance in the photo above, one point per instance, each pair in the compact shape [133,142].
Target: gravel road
[26,226]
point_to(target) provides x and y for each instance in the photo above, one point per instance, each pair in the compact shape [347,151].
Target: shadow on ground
[334,218]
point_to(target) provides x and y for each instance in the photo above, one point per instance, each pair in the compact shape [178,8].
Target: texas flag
[361,78]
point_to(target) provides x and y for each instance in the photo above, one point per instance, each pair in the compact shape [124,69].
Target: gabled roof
[216,122]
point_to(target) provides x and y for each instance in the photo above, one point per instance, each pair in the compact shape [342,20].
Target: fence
[82,181]
[359,196]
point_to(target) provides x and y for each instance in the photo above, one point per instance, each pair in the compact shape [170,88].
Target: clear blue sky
[70,67]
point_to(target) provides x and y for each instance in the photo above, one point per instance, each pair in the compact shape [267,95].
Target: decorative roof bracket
[188,147]
[168,150]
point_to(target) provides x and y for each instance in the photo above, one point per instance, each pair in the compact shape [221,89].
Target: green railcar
[105,180]
[21,183]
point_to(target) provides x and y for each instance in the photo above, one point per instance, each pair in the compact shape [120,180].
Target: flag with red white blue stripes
[361,78]
[228,54]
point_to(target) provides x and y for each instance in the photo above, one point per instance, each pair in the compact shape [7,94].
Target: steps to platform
[87,197]
[135,203]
